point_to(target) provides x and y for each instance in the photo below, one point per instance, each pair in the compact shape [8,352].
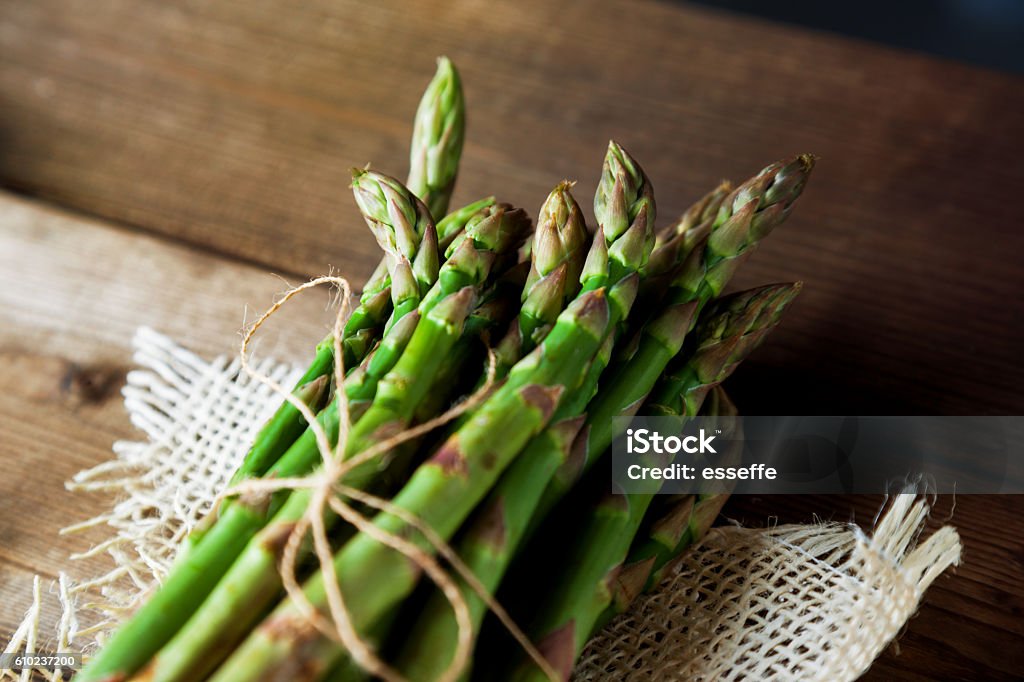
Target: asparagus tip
[357,173]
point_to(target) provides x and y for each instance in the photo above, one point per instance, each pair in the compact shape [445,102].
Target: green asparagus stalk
[582,588]
[746,217]
[678,524]
[556,262]
[444,491]
[438,133]
[437,138]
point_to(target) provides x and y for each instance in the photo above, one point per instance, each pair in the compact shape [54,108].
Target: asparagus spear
[437,138]
[675,242]
[444,491]
[556,258]
[438,133]
[581,590]
[678,524]
[556,262]
[748,215]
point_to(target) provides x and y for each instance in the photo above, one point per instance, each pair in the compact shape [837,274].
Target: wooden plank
[232,125]
[72,292]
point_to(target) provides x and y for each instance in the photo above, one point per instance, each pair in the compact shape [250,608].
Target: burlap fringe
[814,602]
[795,602]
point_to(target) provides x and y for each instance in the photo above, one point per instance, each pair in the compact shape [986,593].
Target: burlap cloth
[808,602]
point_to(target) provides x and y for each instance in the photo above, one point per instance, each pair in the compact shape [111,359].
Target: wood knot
[90,384]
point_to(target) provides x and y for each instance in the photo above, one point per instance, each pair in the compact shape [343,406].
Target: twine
[328,491]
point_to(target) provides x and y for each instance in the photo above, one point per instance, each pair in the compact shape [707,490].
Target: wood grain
[232,126]
[226,130]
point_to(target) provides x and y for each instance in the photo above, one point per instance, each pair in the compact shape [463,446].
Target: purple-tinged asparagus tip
[559,648]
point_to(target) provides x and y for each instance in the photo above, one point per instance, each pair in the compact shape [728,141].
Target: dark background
[985,32]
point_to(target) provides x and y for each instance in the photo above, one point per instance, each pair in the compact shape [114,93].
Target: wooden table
[170,156]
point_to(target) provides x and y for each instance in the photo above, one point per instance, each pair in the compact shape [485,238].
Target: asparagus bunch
[444,490]
[438,324]
[581,591]
[196,574]
[545,470]
[592,327]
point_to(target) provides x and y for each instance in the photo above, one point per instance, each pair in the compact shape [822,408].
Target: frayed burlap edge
[795,602]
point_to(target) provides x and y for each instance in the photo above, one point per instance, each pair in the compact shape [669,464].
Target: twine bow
[329,491]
